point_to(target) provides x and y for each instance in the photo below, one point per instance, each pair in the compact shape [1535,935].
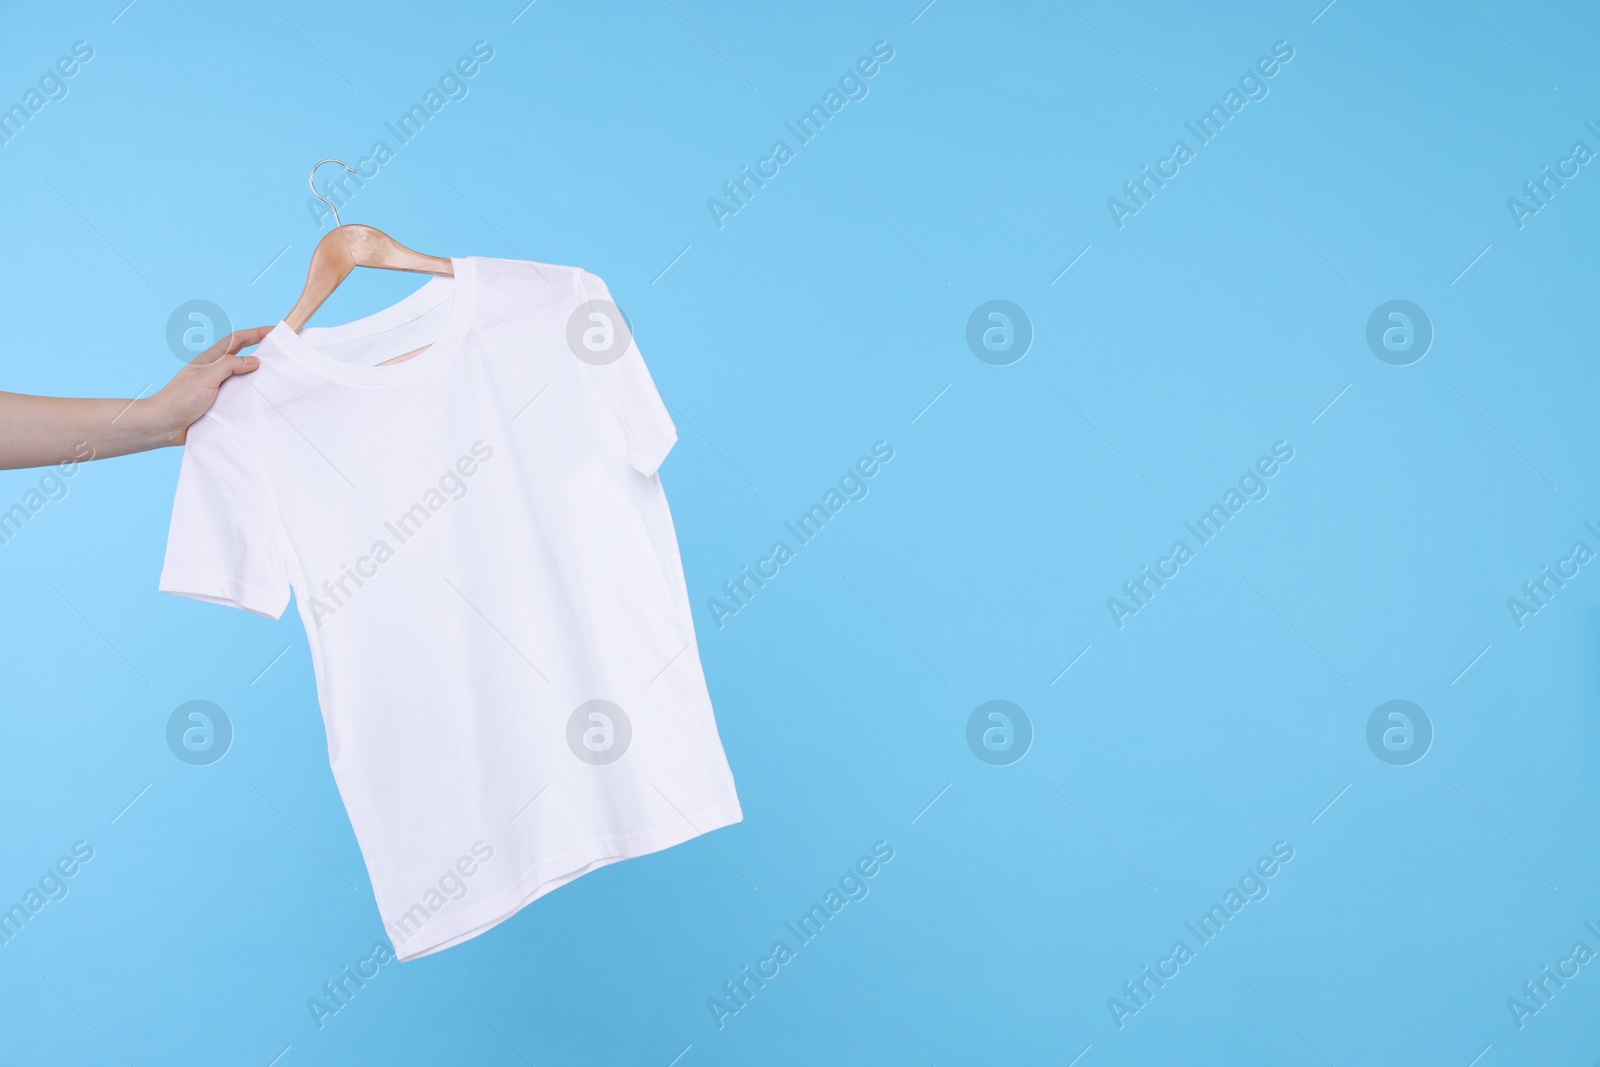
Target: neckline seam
[408,309]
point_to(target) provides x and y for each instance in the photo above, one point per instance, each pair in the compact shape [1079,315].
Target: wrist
[151,423]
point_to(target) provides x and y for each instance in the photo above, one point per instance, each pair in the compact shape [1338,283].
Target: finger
[224,367]
[239,339]
[230,344]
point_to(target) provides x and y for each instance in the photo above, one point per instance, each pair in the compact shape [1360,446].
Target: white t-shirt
[484,561]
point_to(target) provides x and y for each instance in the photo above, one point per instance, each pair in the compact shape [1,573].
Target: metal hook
[312,181]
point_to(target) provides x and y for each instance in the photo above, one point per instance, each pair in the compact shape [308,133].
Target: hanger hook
[312,181]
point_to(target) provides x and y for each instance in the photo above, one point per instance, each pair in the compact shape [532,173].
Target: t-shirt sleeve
[649,429]
[226,543]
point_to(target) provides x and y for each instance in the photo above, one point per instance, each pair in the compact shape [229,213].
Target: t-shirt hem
[220,589]
[556,871]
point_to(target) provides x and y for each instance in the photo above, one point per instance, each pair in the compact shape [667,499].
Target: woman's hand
[191,392]
[41,431]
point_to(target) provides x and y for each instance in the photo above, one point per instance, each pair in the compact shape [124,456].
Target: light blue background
[825,316]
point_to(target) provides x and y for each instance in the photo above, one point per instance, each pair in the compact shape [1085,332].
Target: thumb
[241,364]
[221,363]
[222,368]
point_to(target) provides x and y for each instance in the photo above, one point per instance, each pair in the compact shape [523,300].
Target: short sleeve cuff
[647,458]
[217,589]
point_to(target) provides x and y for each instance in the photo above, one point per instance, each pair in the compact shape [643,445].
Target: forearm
[39,431]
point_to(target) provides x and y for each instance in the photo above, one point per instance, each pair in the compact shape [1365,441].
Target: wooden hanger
[347,247]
